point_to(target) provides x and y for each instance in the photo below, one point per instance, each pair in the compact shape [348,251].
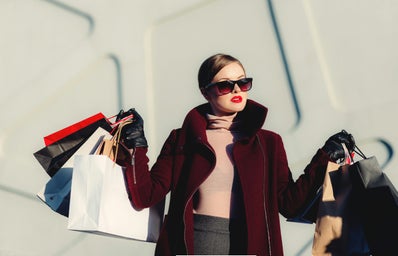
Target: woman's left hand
[333,146]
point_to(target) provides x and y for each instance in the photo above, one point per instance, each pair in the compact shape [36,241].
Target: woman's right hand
[133,134]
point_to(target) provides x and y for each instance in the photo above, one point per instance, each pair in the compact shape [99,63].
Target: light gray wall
[319,66]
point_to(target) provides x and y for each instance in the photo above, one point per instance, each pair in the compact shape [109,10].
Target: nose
[236,88]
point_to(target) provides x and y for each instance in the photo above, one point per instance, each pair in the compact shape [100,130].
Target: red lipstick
[236,99]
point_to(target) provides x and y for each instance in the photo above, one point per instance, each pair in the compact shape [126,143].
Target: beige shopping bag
[329,222]
[338,230]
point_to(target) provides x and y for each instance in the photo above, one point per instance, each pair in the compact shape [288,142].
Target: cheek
[223,103]
[220,100]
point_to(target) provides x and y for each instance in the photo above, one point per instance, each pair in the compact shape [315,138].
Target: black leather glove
[133,134]
[334,148]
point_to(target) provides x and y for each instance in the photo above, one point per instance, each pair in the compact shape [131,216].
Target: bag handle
[347,156]
[115,139]
[359,152]
[116,123]
[117,136]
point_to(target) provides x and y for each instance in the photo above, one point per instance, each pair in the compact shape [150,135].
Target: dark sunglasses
[227,86]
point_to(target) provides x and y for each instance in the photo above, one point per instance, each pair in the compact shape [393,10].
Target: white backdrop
[319,66]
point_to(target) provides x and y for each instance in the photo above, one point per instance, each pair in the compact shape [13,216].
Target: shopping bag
[338,229]
[377,203]
[56,136]
[113,147]
[56,192]
[54,156]
[100,203]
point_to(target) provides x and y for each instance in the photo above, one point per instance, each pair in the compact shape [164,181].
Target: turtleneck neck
[222,122]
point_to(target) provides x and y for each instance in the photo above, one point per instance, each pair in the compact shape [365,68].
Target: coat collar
[252,116]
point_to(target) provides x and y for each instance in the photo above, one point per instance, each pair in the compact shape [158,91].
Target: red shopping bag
[54,156]
[58,135]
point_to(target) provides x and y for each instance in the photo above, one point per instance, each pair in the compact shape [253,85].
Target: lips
[236,99]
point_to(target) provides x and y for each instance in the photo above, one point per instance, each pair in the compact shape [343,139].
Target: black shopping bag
[377,202]
[54,156]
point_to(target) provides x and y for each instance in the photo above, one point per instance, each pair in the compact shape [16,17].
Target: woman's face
[232,102]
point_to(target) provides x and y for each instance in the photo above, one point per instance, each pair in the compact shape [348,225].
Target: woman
[229,178]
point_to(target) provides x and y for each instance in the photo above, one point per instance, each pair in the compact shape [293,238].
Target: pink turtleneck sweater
[219,195]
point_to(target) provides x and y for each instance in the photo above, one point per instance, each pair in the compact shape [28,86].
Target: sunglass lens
[245,84]
[224,87]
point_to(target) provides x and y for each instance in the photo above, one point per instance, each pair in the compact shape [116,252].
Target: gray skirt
[218,236]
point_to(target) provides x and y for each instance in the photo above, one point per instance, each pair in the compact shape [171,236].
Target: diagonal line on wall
[18,192]
[285,63]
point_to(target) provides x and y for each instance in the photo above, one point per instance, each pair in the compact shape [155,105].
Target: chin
[235,109]
[239,107]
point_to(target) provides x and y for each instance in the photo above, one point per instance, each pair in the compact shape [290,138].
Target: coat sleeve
[294,195]
[146,186]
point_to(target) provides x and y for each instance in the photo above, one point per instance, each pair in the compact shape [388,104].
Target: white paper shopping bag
[56,192]
[100,203]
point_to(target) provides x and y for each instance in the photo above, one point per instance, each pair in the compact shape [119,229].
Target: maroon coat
[185,161]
